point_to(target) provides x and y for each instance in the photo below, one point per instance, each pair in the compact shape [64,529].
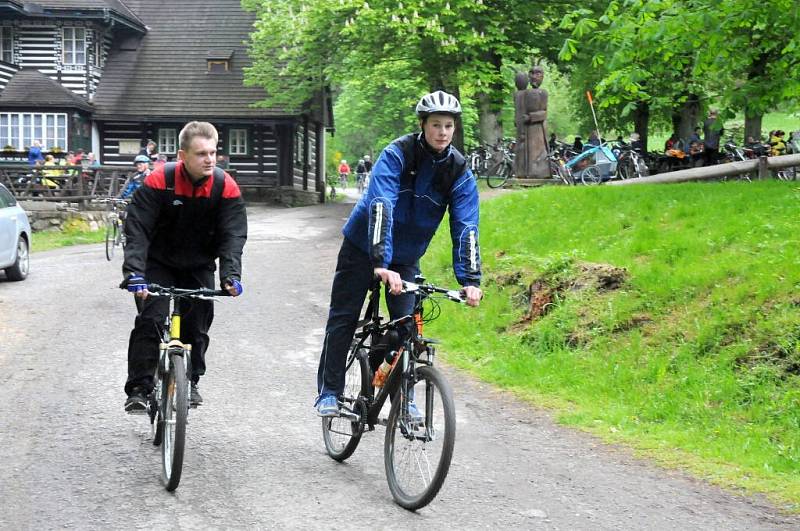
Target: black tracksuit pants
[196,318]
[350,286]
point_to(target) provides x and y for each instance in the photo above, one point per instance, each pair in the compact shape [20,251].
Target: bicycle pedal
[137,412]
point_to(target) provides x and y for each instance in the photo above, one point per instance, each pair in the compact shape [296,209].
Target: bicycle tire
[498,175]
[435,435]
[155,418]
[119,241]
[640,167]
[111,238]
[174,411]
[340,434]
[566,175]
[625,169]
[591,176]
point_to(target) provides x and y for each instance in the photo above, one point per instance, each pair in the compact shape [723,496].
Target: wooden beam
[713,172]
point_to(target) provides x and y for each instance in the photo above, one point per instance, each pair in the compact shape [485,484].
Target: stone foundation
[52,216]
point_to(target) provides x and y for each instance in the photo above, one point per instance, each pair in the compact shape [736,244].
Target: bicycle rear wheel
[111,239]
[343,433]
[417,454]
[498,175]
[174,410]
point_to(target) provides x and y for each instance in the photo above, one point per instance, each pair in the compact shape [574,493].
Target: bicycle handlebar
[429,289]
[197,293]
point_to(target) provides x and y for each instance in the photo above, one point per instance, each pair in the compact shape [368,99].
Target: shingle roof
[167,76]
[30,88]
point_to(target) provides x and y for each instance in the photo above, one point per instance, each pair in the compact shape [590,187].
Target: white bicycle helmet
[438,102]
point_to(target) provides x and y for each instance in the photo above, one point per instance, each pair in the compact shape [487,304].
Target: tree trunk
[753,114]
[689,116]
[752,124]
[641,121]
[490,104]
[488,120]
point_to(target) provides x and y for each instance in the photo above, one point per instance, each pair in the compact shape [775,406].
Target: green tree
[455,45]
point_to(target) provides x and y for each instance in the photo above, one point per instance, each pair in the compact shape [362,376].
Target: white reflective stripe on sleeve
[376,233]
[473,251]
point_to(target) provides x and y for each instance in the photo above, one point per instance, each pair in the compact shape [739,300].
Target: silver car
[15,237]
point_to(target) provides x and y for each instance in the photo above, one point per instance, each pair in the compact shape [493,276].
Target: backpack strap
[169,175]
[217,188]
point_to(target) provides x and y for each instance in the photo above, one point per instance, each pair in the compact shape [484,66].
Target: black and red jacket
[186,226]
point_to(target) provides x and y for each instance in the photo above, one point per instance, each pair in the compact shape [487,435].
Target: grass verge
[666,318]
[43,241]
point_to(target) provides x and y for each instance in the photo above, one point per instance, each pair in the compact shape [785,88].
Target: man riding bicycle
[185,216]
[414,181]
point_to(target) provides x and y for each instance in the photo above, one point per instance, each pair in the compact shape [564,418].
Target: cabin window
[19,130]
[237,141]
[6,45]
[74,46]
[167,141]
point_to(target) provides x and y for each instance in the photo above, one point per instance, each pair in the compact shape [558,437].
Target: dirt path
[72,459]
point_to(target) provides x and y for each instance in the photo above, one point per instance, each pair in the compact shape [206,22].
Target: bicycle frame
[411,354]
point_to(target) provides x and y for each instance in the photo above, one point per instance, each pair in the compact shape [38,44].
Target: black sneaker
[136,402]
[194,396]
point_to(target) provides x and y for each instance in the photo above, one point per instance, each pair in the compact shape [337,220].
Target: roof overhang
[106,15]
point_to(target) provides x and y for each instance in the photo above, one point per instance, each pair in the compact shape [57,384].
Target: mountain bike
[168,403]
[417,449]
[501,168]
[115,234]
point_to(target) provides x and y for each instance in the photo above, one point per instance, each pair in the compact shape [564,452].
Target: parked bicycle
[501,164]
[479,161]
[421,421]
[115,230]
[630,163]
[558,167]
[168,403]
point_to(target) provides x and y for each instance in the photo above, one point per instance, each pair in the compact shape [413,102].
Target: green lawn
[694,360]
[43,241]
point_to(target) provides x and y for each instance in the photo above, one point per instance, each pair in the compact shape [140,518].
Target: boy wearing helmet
[414,181]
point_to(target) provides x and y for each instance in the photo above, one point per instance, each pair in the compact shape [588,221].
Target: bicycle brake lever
[455,296]
[410,287]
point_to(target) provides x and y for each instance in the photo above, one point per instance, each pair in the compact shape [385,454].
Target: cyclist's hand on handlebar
[137,285]
[233,287]
[390,278]
[473,295]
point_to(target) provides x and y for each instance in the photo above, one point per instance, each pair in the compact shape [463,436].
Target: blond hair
[195,129]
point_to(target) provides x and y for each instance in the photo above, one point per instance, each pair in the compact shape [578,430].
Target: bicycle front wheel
[174,410]
[417,451]
[342,434]
[111,239]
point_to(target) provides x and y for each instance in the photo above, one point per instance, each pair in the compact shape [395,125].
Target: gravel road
[71,459]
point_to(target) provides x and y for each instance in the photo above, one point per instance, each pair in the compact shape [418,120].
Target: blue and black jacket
[410,190]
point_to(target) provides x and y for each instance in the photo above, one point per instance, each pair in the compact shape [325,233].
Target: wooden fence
[62,183]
